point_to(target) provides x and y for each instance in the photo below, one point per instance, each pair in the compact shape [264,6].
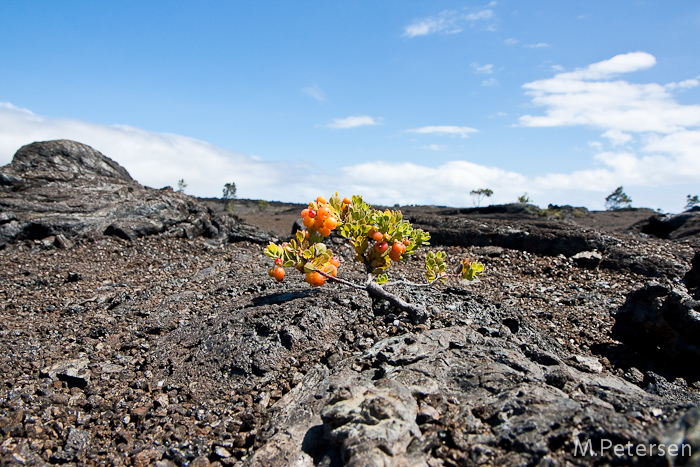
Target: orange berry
[278,274]
[335,261]
[318,223]
[397,249]
[377,236]
[406,241]
[347,201]
[315,279]
[324,231]
[330,270]
[304,212]
[321,200]
[330,223]
[308,222]
[323,213]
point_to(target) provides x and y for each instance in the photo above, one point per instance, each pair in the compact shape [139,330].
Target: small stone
[588,259]
[588,364]
[222,452]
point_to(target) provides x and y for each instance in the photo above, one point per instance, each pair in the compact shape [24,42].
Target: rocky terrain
[139,327]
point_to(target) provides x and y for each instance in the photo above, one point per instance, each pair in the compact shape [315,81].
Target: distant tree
[617,200]
[263,205]
[692,202]
[524,198]
[229,195]
[181,185]
[480,194]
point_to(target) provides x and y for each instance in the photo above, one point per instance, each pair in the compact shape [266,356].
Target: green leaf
[382,279]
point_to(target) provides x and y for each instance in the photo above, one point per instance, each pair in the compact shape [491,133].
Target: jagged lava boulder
[66,189]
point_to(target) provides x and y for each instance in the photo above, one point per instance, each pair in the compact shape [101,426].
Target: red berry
[381,247]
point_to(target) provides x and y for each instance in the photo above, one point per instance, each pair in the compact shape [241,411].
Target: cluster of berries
[381,244]
[317,279]
[322,219]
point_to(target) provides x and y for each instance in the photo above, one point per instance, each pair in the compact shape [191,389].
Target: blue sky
[407,102]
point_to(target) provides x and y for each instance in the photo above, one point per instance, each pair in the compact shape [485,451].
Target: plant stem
[418,314]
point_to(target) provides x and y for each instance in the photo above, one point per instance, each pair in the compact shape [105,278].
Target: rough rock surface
[164,350]
[63,189]
[674,226]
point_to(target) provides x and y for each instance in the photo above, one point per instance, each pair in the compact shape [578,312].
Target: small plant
[480,194]
[692,201]
[181,185]
[263,205]
[524,199]
[379,238]
[228,196]
[617,200]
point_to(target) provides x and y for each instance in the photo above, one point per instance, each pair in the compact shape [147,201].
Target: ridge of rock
[63,189]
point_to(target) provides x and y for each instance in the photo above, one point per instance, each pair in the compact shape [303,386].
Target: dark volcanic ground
[96,340]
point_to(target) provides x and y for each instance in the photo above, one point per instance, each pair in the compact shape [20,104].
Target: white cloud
[617,137]
[158,159]
[153,159]
[463,131]
[435,147]
[490,82]
[587,96]
[315,92]
[539,45]
[445,22]
[511,41]
[354,122]
[687,84]
[654,140]
[485,69]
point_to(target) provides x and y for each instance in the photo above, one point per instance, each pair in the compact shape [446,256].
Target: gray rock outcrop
[63,189]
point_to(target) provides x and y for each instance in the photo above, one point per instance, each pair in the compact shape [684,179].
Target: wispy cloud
[354,122]
[653,163]
[435,147]
[445,22]
[654,140]
[315,92]
[490,82]
[462,131]
[537,45]
[154,159]
[484,69]
[588,96]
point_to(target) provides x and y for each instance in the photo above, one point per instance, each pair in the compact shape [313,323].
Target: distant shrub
[263,205]
[181,185]
[617,200]
[228,196]
[480,194]
[692,201]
